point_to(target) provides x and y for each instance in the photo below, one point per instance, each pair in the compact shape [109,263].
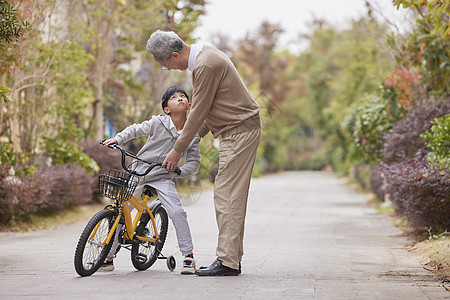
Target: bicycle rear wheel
[144,254]
[90,251]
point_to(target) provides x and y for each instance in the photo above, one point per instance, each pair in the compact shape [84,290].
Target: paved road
[308,236]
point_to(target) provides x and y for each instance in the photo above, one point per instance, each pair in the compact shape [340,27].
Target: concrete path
[308,236]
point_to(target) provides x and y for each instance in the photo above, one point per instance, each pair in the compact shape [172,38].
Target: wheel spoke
[91,248]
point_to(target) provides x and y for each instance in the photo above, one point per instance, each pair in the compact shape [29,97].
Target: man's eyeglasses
[166,67]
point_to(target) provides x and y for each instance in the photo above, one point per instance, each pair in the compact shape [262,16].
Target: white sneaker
[188,266]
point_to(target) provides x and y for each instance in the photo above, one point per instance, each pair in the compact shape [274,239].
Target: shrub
[51,189]
[369,177]
[365,125]
[105,158]
[420,192]
[403,140]
[17,160]
[439,142]
[376,182]
[68,152]
[208,161]
[361,175]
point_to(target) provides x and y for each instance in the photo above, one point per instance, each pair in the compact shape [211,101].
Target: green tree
[12,28]
[51,93]
[19,118]
[341,68]
[434,14]
[79,56]
[67,112]
[421,64]
[114,33]
[259,62]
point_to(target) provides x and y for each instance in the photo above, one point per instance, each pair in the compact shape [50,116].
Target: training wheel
[171,263]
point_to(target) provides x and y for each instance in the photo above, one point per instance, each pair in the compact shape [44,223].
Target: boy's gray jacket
[159,143]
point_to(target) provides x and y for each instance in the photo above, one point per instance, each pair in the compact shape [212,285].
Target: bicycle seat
[149,190]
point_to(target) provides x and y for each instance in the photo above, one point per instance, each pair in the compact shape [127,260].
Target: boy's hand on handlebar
[109,142]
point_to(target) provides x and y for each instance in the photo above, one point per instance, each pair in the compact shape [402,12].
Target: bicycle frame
[130,223]
[141,206]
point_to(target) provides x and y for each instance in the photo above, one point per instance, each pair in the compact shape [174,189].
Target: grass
[46,220]
[434,252]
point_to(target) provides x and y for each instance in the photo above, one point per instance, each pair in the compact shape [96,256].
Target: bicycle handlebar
[130,154]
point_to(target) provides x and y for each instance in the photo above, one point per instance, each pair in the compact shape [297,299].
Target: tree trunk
[98,113]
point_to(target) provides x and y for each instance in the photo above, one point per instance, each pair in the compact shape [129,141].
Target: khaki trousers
[237,154]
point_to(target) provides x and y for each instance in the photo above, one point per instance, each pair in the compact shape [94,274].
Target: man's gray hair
[161,44]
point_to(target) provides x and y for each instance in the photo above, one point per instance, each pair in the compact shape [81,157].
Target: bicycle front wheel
[143,253]
[91,250]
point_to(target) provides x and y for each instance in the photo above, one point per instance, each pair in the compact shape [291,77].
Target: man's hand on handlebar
[171,161]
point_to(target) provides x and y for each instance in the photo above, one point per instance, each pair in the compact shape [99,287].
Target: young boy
[162,132]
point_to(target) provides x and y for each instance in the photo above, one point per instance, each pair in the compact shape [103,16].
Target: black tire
[144,254]
[171,263]
[90,253]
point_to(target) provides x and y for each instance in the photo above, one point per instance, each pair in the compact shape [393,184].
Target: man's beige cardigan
[221,103]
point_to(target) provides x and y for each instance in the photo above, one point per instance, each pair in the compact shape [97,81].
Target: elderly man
[221,104]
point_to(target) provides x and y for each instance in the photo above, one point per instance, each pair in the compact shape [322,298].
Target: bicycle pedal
[141,257]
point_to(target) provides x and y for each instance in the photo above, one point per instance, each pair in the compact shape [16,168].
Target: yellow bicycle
[144,235]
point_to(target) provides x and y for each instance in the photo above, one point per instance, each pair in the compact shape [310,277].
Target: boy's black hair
[170,91]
